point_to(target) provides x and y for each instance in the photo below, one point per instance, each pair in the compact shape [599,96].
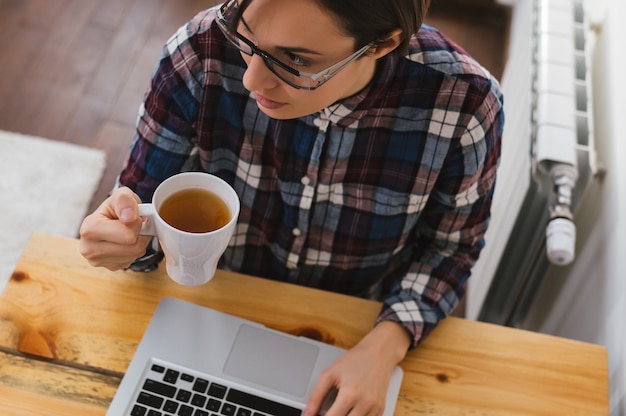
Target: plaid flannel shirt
[385,194]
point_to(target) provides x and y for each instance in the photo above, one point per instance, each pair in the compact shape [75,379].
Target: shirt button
[296,232]
[305,180]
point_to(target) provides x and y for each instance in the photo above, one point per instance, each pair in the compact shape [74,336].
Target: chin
[283,113]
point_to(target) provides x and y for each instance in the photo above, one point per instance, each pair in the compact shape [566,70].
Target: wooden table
[68,332]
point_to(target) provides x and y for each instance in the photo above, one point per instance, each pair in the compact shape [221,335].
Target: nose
[258,76]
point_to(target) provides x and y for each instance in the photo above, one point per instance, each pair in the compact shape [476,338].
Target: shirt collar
[349,111]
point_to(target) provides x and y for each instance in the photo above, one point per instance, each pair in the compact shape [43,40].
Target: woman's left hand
[361,376]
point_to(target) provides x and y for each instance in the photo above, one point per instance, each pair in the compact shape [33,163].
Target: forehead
[298,23]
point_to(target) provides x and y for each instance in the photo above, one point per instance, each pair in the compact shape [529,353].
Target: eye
[296,61]
[242,28]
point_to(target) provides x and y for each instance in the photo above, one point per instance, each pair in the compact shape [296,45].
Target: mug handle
[148,226]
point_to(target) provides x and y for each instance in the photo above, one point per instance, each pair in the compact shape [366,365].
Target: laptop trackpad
[273,360]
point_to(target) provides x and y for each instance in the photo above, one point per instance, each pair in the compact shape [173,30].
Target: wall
[587,300]
[515,163]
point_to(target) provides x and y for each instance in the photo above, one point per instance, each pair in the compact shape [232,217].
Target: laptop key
[183,395]
[158,368]
[159,388]
[198,400]
[228,409]
[244,412]
[261,404]
[213,405]
[200,385]
[185,410]
[138,411]
[171,376]
[170,406]
[150,400]
[217,390]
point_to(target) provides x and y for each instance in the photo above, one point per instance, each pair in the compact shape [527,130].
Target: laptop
[196,361]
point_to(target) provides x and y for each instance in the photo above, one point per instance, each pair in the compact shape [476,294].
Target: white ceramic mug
[190,257]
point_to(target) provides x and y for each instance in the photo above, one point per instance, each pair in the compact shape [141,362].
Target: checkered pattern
[384,194]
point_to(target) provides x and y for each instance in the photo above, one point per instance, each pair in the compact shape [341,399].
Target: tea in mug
[195,211]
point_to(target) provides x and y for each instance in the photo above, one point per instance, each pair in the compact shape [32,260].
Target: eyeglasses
[294,78]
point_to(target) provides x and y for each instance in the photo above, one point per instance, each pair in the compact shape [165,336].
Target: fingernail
[127,215]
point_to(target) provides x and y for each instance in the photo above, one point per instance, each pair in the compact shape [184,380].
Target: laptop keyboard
[171,392]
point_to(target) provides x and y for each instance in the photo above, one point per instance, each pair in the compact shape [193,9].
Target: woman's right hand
[109,237]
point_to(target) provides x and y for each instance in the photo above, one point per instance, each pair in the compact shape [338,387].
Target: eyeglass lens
[291,76]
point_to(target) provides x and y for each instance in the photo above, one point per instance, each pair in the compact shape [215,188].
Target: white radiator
[547,158]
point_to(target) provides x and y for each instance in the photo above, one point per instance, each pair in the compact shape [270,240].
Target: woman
[363,148]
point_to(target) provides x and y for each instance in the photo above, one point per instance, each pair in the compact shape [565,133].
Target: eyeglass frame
[269,60]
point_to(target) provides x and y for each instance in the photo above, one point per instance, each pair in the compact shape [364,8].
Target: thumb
[126,205]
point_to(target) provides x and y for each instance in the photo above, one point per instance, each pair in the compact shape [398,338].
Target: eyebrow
[297,50]
[291,49]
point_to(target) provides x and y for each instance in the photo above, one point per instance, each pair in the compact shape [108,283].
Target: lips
[267,103]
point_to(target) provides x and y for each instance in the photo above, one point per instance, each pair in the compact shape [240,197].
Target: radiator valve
[560,241]
[561,230]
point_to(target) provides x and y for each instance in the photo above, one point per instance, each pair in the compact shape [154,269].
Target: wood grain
[103,313]
[39,388]
[88,320]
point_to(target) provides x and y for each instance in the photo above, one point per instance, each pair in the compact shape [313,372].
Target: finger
[323,387]
[356,403]
[112,263]
[344,404]
[114,267]
[125,205]
[95,229]
[105,223]
[102,253]
[361,407]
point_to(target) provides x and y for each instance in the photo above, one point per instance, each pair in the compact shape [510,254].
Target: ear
[387,44]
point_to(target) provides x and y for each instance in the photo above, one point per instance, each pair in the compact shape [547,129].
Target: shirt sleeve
[450,231]
[165,136]
[164,142]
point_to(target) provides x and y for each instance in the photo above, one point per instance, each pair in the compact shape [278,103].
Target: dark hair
[370,21]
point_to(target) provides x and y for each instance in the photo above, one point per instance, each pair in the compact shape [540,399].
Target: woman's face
[301,34]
